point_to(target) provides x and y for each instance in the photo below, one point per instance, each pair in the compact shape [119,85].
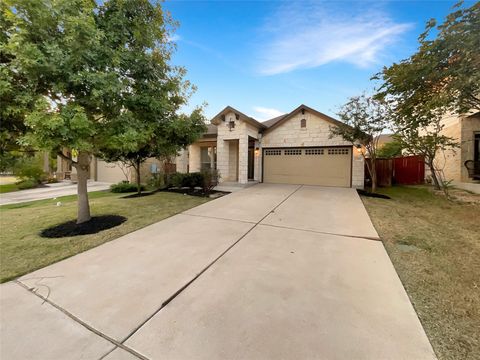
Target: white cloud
[307,35]
[263,113]
[174,38]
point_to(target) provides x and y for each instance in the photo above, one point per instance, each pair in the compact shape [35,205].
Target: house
[452,163]
[295,148]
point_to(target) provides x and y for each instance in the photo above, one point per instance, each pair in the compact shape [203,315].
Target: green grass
[22,250]
[5,188]
[434,245]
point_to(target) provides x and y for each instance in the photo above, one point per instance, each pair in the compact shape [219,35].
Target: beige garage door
[327,166]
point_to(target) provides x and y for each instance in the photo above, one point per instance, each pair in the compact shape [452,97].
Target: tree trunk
[436,183]
[373,175]
[83,207]
[139,185]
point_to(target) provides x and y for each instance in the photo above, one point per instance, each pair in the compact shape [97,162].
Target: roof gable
[273,123]
[217,119]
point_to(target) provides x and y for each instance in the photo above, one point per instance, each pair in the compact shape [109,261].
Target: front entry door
[251,159]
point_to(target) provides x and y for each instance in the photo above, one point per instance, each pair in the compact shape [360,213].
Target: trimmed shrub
[29,169]
[177,180]
[156,181]
[210,180]
[124,187]
[28,184]
[194,180]
[190,180]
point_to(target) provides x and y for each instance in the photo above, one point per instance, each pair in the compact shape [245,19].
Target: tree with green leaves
[161,139]
[99,76]
[390,149]
[427,141]
[364,119]
[16,99]
[442,77]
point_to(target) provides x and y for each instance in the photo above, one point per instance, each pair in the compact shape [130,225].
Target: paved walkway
[49,191]
[268,272]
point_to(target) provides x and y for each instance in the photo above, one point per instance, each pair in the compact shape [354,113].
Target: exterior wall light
[257,151]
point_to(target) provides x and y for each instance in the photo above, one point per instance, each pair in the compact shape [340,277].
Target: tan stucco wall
[316,133]
[470,126]
[451,162]
[110,172]
[194,158]
[181,161]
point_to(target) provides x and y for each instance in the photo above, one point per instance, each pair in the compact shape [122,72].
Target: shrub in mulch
[95,225]
[374,195]
[125,187]
[196,192]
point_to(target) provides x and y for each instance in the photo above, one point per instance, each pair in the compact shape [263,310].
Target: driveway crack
[84,324]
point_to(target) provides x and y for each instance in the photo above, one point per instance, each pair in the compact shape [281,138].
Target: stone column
[243,159]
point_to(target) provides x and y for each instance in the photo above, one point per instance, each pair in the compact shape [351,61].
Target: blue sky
[267,57]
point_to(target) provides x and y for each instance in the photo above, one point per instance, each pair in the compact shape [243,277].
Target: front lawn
[22,250]
[434,245]
[5,188]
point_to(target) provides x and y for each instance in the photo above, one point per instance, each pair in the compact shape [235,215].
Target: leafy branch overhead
[363,119]
[443,75]
[97,76]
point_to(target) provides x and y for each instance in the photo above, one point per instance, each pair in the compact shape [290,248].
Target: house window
[303,123]
[208,157]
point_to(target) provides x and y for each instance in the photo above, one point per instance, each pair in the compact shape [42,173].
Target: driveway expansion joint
[185,286]
[217,218]
[324,232]
[83,323]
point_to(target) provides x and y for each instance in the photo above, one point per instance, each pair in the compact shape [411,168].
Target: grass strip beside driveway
[435,248]
[22,250]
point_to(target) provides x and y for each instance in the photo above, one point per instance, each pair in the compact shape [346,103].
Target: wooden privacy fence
[405,170]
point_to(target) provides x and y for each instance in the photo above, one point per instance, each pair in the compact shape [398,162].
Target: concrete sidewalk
[49,191]
[268,272]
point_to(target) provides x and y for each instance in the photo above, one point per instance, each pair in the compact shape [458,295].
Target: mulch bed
[95,225]
[196,192]
[374,195]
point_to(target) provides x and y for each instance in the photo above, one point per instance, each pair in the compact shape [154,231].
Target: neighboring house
[466,130]
[294,148]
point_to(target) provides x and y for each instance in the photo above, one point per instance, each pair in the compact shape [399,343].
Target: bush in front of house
[27,184]
[210,180]
[177,179]
[193,180]
[190,180]
[124,187]
[28,169]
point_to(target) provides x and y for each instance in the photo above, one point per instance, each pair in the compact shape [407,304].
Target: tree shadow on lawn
[95,225]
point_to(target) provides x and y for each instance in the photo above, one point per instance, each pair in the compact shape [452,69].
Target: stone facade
[451,162]
[233,142]
[315,133]
[232,149]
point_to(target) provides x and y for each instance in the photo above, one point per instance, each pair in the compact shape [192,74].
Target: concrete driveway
[48,191]
[268,272]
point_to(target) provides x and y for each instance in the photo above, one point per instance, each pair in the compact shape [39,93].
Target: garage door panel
[312,166]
